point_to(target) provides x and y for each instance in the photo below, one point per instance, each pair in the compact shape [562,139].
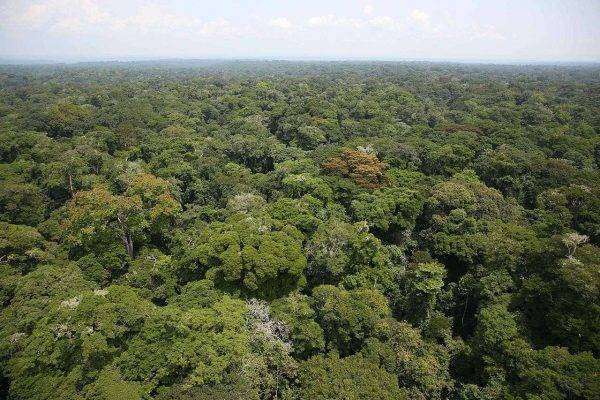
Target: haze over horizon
[94,30]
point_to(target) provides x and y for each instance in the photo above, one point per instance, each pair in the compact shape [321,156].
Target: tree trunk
[128,242]
[71,191]
[126,236]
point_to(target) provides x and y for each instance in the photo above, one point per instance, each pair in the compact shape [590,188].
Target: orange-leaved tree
[362,167]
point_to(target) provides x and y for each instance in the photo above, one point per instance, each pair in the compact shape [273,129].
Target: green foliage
[496,327]
[96,220]
[22,203]
[348,318]
[297,185]
[277,230]
[195,347]
[553,373]
[23,247]
[421,366]
[310,137]
[338,249]
[306,334]
[65,118]
[422,288]
[252,255]
[155,274]
[388,209]
[352,378]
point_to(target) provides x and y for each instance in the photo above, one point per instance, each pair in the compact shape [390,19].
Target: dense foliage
[271,230]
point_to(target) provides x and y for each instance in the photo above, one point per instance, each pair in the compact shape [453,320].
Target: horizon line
[41,60]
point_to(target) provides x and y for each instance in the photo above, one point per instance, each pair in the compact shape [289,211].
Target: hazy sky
[537,30]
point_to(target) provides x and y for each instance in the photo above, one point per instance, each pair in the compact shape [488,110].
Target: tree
[96,219]
[348,318]
[298,185]
[310,137]
[322,378]
[77,337]
[22,204]
[305,332]
[388,209]
[361,167]
[196,347]
[155,274]
[423,284]
[23,247]
[255,256]
[338,249]
[66,119]
[422,367]
[572,241]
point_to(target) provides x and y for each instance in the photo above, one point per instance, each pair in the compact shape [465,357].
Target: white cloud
[94,13]
[383,23]
[219,26]
[281,22]
[322,20]
[155,26]
[487,32]
[334,21]
[89,16]
[35,14]
[155,18]
[55,15]
[420,17]
[68,25]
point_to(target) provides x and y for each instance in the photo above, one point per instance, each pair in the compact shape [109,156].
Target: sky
[460,30]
